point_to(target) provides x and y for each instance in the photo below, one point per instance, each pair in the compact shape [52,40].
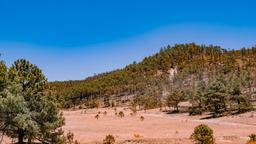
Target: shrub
[137,136]
[142,118]
[194,111]
[76,142]
[121,114]
[92,104]
[203,135]
[109,140]
[252,139]
[105,113]
[70,137]
[97,116]
[106,101]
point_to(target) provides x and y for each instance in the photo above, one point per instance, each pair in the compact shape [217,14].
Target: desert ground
[157,127]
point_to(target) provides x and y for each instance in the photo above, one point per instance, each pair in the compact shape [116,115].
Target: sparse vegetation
[70,139]
[213,80]
[142,118]
[97,116]
[137,136]
[121,114]
[252,138]
[106,101]
[109,140]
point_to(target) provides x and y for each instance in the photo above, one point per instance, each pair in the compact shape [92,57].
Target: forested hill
[181,65]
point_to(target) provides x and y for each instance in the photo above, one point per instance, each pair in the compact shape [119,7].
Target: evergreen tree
[199,99]
[3,75]
[216,95]
[106,101]
[236,96]
[174,99]
[36,114]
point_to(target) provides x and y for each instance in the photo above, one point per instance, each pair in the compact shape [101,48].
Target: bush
[142,118]
[121,114]
[92,104]
[194,111]
[97,116]
[109,140]
[252,139]
[70,139]
[203,135]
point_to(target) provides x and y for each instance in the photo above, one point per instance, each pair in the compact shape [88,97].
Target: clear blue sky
[73,39]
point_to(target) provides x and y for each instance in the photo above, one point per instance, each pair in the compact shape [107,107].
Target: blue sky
[75,39]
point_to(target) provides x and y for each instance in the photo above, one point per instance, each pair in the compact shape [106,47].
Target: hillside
[181,66]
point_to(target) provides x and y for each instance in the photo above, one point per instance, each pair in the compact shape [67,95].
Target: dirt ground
[156,128]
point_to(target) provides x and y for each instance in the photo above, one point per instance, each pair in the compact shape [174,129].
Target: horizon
[72,41]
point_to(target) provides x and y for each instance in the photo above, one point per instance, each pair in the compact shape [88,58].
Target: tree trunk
[29,141]
[177,107]
[21,136]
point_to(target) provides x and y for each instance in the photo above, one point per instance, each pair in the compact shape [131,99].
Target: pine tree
[36,114]
[3,75]
[216,95]
[199,99]
[236,96]
[174,99]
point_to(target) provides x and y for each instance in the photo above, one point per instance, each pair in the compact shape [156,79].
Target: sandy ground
[156,128]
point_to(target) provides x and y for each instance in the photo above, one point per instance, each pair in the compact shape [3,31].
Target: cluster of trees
[150,77]
[222,95]
[28,110]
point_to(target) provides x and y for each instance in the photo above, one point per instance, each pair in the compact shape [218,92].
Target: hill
[182,67]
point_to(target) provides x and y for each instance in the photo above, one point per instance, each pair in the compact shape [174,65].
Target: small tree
[198,101]
[242,101]
[203,135]
[174,99]
[109,140]
[106,101]
[216,95]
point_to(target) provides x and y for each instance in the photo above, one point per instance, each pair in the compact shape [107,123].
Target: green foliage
[28,110]
[241,100]
[174,99]
[3,75]
[92,104]
[109,140]
[68,139]
[198,101]
[203,135]
[106,101]
[216,97]
[150,77]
